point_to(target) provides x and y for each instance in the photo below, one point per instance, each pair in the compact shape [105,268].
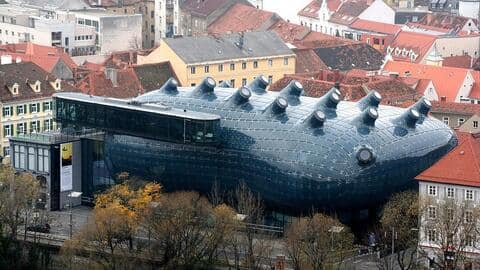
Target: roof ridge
[476,160]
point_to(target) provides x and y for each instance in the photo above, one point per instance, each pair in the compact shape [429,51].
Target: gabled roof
[349,11]
[225,47]
[458,61]
[44,56]
[462,108]
[445,21]
[475,93]
[352,56]
[318,39]
[311,10]
[290,32]
[203,7]
[377,27]
[241,18]
[446,80]
[459,167]
[24,74]
[308,61]
[410,42]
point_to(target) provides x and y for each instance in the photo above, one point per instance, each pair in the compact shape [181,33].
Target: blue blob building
[299,153]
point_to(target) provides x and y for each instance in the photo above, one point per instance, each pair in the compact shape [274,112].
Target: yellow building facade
[238,70]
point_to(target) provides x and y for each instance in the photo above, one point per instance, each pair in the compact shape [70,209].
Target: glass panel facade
[134,122]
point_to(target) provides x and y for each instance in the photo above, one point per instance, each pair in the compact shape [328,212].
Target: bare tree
[449,229]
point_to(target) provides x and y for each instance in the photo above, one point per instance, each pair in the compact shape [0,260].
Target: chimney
[111,74]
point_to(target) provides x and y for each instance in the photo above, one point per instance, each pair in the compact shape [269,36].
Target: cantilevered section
[153,121]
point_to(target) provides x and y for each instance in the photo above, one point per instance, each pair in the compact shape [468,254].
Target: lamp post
[73,194]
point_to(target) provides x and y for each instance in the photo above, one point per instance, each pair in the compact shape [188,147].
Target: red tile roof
[377,27]
[44,56]
[240,18]
[459,61]
[476,64]
[308,61]
[422,86]
[459,167]
[420,44]
[446,80]
[455,108]
[290,32]
[445,21]
[311,10]
[321,40]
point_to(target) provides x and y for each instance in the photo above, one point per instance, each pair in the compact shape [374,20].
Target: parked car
[42,228]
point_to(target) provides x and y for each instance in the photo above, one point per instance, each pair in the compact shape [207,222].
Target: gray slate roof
[208,48]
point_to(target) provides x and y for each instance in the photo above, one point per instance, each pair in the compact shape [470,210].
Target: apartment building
[167,19]
[21,24]
[234,58]
[26,100]
[449,193]
[144,7]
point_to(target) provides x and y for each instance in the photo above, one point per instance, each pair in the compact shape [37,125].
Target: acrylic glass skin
[295,167]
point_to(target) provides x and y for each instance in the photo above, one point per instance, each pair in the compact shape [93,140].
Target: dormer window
[57,84]
[36,86]
[14,89]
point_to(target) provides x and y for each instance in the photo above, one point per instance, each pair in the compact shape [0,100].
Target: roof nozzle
[206,86]
[372,99]
[225,84]
[369,116]
[411,117]
[242,95]
[423,106]
[279,105]
[170,86]
[259,85]
[316,119]
[293,89]
[330,99]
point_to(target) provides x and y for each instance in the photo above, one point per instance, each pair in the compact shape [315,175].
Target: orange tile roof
[445,21]
[463,108]
[446,80]
[459,167]
[240,18]
[321,40]
[44,56]
[422,86]
[383,28]
[311,10]
[420,44]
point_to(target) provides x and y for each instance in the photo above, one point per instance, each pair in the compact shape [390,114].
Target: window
[432,190]
[35,126]
[285,61]
[270,79]
[193,84]
[470,240]
[270,62]
[432,212]
[6,151]
[42,160]
[21,128]
[207,69]
[47,124]
[244,81]
[47,106]
[460,121]
[232,66]
[232,82]
[192,70]
[468,216]
[152,14]
[152,28]
[21,157]
[450,192]
[449,213]
[244,65]
[431,235]
[475,124]
[21,109]
[255,64]
[446,120]
[7,111]
[220,68]
[31,158]
[7,131]
[34,107]
[469,194]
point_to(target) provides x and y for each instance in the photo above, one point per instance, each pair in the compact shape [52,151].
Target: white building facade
[167,19]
